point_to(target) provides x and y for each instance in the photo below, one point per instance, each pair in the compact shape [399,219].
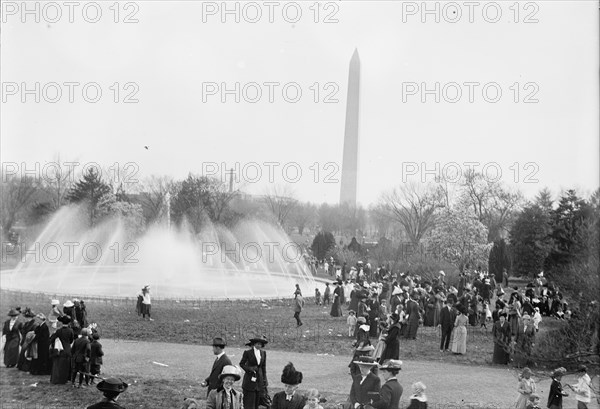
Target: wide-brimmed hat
[262,339]
[65,319]
[115,385]
[28,313]
[419,387]
[54,302]
[230,370]
[219,342]
[442,273]
[526,371]
[361,320]
[290,376]
[365,360]
[391,364]
[526,317]
[68,304]
[13,312]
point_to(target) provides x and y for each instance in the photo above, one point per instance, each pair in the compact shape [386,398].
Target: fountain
[253,260]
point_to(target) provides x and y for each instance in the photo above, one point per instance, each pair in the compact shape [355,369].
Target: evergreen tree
[90,190]
[569,233]
[322,243]
[499,259]
[530,241]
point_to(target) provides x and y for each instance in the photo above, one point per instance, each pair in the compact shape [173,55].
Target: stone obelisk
[350,159]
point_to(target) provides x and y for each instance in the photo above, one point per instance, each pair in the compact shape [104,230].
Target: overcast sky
[177,55]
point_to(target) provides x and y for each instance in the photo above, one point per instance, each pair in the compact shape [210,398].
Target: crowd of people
[62,345]
[383,307]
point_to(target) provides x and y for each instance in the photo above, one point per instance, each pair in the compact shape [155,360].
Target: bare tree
[280,201]
[494,205]
[412,206]
[57,181]
[18,195]
[154,195]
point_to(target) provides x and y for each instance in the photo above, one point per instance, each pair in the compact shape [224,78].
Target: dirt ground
[447,384]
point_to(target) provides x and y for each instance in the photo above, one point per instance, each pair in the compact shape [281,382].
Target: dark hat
[290,376]
[391,365]
[65,319]
[503,314]
[95,335]
[262,339]
[28,313]
[395,317]
[13,312]
[114,385]
[219,342]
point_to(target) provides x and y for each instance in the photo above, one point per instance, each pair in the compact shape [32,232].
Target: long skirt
[11,351]
[379,348]
[522,401]
[61,369]
[500,355]
[336,309]
[459,346]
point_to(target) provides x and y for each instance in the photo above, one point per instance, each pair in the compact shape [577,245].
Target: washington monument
[350,159]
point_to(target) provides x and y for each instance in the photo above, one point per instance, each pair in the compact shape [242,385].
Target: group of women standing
[26,342]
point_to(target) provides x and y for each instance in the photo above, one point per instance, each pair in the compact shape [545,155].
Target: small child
[96,355]
[317,296]
[534,401]
[312,400]
[418,400]
[351,321]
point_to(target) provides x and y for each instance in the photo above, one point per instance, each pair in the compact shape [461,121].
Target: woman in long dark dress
[502,340]
[42,364]
[24,363]
[12,338]
[392,342]
[336,308]
[61,363]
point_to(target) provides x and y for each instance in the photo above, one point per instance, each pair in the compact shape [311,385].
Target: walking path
[448,384]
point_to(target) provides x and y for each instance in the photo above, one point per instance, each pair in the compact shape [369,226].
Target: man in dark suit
[391,391]
[365,387]
[254,363]
[213,381]
[289,398]
[447,317]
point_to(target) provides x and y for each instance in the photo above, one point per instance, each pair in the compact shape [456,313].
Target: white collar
[220,355]
[420,398]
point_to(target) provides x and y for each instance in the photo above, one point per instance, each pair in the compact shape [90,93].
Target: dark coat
[555,396]
[279,402]
[96,353]
[252,368]
[447,317]
[359,393]
[13,339]
[81,350]
[389,395]
[392,344]
[213,380]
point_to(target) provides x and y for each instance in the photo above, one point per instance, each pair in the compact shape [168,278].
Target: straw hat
[230,370]
[68,304]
